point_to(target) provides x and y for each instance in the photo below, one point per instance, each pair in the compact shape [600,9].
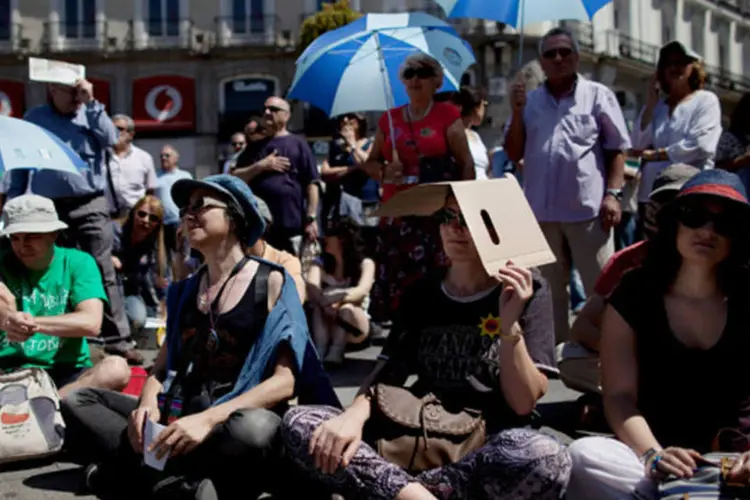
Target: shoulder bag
[420,433]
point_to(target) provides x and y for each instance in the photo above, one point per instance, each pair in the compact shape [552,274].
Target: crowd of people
[240,263]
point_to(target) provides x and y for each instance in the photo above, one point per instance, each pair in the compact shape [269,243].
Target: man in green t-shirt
[51,299]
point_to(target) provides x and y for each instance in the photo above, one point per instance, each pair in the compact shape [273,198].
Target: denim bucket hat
[232,189]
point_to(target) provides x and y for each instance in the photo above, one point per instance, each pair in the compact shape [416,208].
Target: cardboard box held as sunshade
[499,218]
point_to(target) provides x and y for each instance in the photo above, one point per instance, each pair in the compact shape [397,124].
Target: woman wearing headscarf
[420,142]
[237,350]
[680,123]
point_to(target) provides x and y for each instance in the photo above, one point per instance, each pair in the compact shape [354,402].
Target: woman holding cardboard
[481,346]
[430,145]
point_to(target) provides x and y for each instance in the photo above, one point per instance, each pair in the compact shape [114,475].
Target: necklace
[411,117]
[213,337]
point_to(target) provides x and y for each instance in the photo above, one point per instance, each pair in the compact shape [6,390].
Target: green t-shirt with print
[71,278]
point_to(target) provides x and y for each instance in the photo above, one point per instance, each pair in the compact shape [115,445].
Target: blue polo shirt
[89,132]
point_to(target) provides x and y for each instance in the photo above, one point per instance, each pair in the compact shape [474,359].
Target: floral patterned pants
[513,464]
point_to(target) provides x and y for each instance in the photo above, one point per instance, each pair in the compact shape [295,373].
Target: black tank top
[218,359]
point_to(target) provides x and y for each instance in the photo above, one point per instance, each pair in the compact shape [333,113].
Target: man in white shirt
[131,168]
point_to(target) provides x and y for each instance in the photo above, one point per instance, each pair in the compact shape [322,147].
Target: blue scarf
[285,323]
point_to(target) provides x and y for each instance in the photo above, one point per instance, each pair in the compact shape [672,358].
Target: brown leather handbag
[418,434]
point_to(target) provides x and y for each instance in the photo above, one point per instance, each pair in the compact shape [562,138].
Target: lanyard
[213,313]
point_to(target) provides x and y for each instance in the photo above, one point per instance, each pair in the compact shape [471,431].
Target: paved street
[61,481]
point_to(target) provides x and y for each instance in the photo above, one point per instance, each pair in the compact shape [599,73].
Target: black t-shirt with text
[452,345]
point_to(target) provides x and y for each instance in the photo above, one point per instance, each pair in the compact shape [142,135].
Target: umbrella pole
[388,95]
[30,181]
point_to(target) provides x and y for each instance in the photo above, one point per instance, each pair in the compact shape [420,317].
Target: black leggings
[244,446]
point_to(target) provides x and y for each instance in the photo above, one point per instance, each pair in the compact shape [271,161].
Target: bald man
[170,173]
[282,170]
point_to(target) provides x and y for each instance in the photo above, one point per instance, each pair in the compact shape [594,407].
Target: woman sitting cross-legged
[140,259]
[339,285]
[674,350]
[479,345]
[237,350]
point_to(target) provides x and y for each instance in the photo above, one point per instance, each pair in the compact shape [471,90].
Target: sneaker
[180,488]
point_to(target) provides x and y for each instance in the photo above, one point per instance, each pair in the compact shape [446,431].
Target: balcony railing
[250,30]
[630,48]
[70,35]
[736,6]
[12,40]
[161,34]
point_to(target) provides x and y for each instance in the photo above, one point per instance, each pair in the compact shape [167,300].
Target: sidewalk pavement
[62,481]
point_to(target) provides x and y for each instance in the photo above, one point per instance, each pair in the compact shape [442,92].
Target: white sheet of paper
[51,71]
[155,323]
[150,432]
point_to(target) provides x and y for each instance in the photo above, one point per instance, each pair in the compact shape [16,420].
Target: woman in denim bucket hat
[674,352]
[237,350]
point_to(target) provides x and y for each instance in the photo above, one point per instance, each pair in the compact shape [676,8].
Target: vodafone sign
[12,98]
[164,103]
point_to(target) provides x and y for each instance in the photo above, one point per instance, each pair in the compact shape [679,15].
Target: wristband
[654,463]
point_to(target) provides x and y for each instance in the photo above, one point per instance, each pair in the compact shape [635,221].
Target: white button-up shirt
[132,175]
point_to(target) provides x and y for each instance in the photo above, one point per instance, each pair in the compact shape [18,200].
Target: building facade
[190,72]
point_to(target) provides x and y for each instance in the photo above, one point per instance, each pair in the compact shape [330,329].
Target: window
[248,16]
[723,53]
[696,31]
[163,17]
[6,20]
[80,19]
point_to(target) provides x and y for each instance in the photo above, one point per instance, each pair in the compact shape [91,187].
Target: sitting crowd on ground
[239,394]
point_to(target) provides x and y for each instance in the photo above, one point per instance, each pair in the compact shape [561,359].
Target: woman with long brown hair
[140,259]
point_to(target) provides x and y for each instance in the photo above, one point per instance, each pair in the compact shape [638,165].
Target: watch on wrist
[311,218]
[616,193]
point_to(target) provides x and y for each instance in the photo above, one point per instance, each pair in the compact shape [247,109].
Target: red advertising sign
[164,103]
[102,91]
[12,98]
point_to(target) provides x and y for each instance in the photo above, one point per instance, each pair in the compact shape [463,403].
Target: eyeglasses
[274,109]
[553,53]
[123,129]
[447,215]
[698,217]
[200,205]
[165,155]
[142,214]
[422,73]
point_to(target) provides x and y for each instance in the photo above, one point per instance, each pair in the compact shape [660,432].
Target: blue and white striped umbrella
[28,146]
[356,68]
[520,13]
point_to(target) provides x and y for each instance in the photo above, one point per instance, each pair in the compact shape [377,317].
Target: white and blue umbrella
[520,13]
[356,68]
[24,145]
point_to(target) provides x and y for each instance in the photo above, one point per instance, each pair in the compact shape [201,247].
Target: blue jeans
[136,311]
[577,294]
[625,232]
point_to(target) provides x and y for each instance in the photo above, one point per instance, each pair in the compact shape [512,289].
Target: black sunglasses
[421,73]
[552,53]
[197,206]
[447,215]
[151,217]
[273,109]
[238,144]
[698,217]
[165,155]
[123,129]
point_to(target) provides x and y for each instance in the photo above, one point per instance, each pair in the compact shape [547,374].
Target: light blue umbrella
[24,145]
[356,68]
[521,13]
